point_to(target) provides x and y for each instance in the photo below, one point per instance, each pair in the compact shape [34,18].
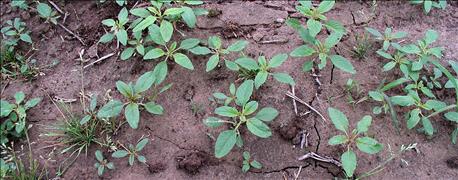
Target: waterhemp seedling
[132,152]
[388,37]
[240,114]
[102,163]
[260,70]
[429,4]
[248,162]
[316,17]
[137,47]
[117,28]
[15,114]
[218,52]
[21,4]
[365,144]
[133,94]
[13,32]
[45,12]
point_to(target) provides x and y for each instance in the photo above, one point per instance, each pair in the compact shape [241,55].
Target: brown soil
[180,147]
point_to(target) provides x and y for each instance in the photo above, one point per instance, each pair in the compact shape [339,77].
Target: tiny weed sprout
[429,4]
[133,94]
[117,28]
[316,17]
[16,114]
[132,152]
[218,52]
[365,144]
[102,163]
[13,32]
[362,46]
[45,12]
[388,37]
[248,162]
[21,4]
[240,115]
[260,70]
[121,2]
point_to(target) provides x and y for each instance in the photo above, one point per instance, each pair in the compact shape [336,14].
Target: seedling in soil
[388,37]
[226,99]
[133,94]
[137,47]
[218,52]
[354,93]
[397,60]
[21,4]
[240,115]
[362,46]
[260,71]
[45,12]
[322,51]
[365,144]
[13,32]
[102,163]
[316,17]
[248,162]
[16,115]
[132,152]
[117,28]
[429,4]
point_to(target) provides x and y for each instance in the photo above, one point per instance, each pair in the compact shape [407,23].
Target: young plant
[133,94]
[45,12]
[260,71]
[316,17]
[13,32]
[429,4]
[397,60]
[117,28]
[248,162]
[388,37]
[132,152]
[137,47]
[362,46]
[102,163]
[322,51]
[16,115]
[226,99]
[240,114]
[21,4]
[365,144]
[218,52]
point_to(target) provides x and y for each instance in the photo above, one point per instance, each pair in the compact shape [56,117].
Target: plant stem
[442,110]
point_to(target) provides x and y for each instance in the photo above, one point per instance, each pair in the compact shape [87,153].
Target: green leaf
[414,118]
[454,135]
[140,145]
[435,105]
[339,139]
[307,67]
[384,54]
[325,6]
[85,119]
[260,79]
[376,95]
[393,84]
[5,108]
[160,71]
[110,109]
[400,34]
[141,159]
[364,124]
[284,78]
[224,143]
[154,108]
[213,122]
[244,92]
[250,108]
[256,164]
[19,97]
[267,114]
[108,37]
[247,63]
[200,50]
[348,162]
[431,36]
[368,145]
[144,24]
[25,38]
[132,115]
[173,11]
[314,27]
[44,10]
[388,66]
[131,159]
[122,36]
[343,64]
[258,128]
[427,126]
[374,32]
[212,62]
[333,39]
[238,46]
[277,60]
[302,51]
[127,53]
[100,170]
[144,82]
[227,111]
[189,17]
[166,30]
[119,154]
[155,34]
[403,100]
[335,26]
[214,42]
[339,119]
[189,43]
[183,61]
[124,89]
[452,116]
[231,65]
[99,156]
[32,103]
[411,49]
[140,12]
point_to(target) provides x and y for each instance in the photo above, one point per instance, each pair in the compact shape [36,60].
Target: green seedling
[21,4]
[117,28]
[45,12]
[218,52]
[102,163]
[13,32]
[449,84]
[248,162]
[260,70]
[422,49]
[362,46]
[322,51]
[433,81]
[132,152]
[133,94]
[121,2]
[354,93]
[388,37]
[399,59]
[137,47]
[365,144]
[429,4]
[240,114]
[226,99]
[16,115]
[316,17]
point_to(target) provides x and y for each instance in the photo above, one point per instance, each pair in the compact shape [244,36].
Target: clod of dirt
[453,162]
[192,162]
[156,167]
[92,51]
[288,132]
[189,93]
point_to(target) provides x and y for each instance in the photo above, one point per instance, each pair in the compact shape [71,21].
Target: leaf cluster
[45,12]
[132,152]
[429,4]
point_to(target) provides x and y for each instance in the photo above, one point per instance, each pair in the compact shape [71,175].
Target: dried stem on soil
[98,60]
[294,101]
[289,94]
[320,158]
[72,33]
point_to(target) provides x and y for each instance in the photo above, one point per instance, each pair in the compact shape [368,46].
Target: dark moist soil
[181,147]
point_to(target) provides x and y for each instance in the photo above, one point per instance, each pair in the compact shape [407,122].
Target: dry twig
[289,94]
[72,33]
[98,60]
[294,101]
[317,157]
